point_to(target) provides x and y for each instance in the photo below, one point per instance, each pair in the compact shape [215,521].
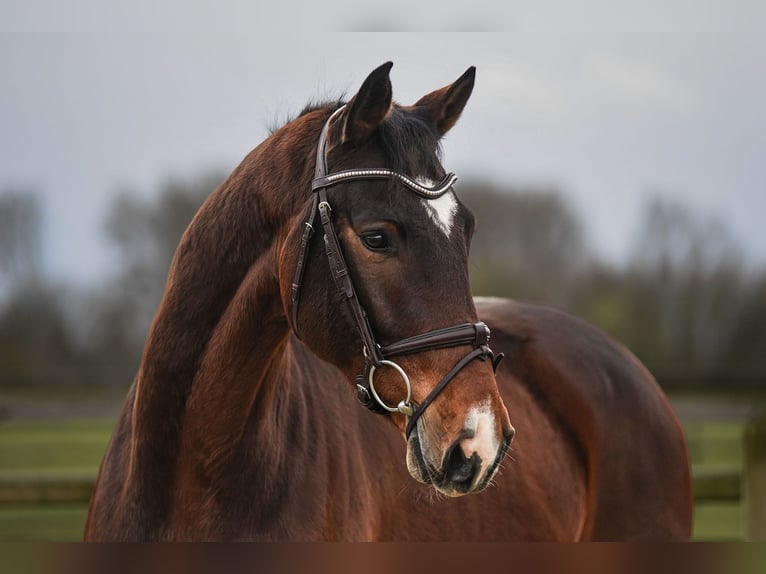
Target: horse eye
[375,241]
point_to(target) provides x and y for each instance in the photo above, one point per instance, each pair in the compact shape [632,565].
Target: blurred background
[613,155]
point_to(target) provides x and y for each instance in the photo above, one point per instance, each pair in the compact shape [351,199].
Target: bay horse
[331,268]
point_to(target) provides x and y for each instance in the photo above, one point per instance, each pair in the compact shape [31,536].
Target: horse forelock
[410,143]
[408,139]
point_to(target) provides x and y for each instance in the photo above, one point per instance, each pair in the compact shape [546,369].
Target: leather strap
[320,168]
[474,334]
[308,233]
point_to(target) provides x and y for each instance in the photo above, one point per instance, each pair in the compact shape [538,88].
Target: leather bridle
[376,356]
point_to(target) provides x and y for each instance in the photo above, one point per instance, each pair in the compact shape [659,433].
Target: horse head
[384,309]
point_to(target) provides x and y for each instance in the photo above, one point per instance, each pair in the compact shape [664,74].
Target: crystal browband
[434,192]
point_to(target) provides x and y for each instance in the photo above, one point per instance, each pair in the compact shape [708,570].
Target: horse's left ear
[444,106]
[369,106]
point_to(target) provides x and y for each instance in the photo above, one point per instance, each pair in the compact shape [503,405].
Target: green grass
[60,522]
[718,521]
[75,448]
[53,447]
[49,448]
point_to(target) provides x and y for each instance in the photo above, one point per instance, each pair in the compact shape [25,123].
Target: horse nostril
[461,470]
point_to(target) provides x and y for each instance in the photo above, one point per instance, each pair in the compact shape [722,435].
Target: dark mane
[330,104]
[409,141]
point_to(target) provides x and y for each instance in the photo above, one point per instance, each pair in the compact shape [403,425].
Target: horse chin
[418,468]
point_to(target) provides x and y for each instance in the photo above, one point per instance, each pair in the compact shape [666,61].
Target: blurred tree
[145,234]
[687,278]
[36,346]
[20,237]
[744,357]
[529,244]
[684,300]
[35,341]
[681,299]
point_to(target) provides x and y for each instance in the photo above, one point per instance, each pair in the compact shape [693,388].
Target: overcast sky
[608,106]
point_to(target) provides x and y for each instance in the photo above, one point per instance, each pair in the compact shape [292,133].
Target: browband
[351,174]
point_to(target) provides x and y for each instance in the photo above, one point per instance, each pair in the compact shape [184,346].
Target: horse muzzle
[468,464]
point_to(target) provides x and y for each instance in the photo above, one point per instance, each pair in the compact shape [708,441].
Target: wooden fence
[747,488]
[754,480]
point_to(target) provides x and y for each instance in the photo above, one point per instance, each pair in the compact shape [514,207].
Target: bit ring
[405,406]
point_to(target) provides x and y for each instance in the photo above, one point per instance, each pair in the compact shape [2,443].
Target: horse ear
[444,106]
[369,106]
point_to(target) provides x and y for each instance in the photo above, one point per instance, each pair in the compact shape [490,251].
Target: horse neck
[241,371]
[220,327]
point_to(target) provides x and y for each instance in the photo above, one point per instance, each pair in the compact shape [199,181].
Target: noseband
[376,356]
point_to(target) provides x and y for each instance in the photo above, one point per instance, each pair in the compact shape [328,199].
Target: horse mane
[233,229]
[329,104]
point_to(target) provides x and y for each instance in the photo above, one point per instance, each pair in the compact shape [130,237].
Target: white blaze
[442,209]
[481,421]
